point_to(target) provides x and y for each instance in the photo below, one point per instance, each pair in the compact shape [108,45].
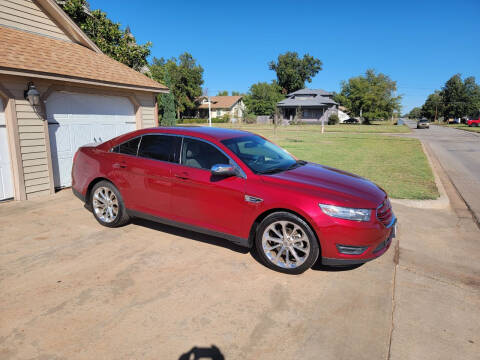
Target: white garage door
[6,183]
[78,119]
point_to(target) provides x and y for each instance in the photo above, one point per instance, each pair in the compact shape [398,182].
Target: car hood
[332,186]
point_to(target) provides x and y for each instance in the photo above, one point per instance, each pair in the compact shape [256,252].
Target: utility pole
[209,113]
[205,93]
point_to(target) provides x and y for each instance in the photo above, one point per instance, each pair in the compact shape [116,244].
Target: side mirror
[223,170]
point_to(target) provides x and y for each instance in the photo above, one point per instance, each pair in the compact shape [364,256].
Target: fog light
[351,250]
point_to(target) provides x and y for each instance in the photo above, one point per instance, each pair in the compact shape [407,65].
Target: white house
[232,106]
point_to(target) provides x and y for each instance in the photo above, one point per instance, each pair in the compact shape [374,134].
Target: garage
[76,119]
[6,183]
[64,94]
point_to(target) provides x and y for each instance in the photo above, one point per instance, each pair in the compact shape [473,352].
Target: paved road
[459,153]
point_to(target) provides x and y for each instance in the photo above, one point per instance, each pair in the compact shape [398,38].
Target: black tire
[314,248]
[122,217]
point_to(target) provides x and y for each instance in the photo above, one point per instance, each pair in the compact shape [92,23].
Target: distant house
[232,106]
[309,105]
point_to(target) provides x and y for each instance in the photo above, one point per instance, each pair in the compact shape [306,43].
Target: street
[459,154]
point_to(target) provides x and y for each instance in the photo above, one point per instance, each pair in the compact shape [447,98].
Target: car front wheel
[286,243]
[107,205]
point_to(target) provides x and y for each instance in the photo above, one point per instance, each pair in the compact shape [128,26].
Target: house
[58,91]
[308,105]
[232,106]
[342,114]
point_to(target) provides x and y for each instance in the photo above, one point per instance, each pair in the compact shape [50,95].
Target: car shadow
[208,239]
[216,241]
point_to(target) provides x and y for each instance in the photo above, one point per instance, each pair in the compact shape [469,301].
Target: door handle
[183,176]
[121,165]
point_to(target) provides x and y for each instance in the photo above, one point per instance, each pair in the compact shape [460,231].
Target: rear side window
[129,147]
[199,154]
[160,147]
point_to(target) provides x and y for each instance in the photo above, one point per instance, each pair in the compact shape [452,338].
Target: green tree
[454,96]
[262,98]
[415,113]
[292,71]
[167,102]
[472,90]
[236,93]
[433,106]
[186,78]
[107,35]
[222,93]
[371,96]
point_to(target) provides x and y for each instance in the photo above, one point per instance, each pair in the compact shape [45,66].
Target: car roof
[205,132]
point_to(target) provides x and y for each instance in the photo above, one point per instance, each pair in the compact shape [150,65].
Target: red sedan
[238,186]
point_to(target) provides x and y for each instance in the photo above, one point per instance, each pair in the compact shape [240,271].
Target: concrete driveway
[459,153]
[72,289]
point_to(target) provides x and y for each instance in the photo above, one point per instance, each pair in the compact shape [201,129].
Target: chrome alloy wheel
[105,204]
[285,244]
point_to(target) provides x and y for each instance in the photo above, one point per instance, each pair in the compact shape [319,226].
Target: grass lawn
[377,127]
[397,164]
[463,127]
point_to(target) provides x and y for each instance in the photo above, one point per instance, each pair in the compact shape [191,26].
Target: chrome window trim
[138,148]
[179,161]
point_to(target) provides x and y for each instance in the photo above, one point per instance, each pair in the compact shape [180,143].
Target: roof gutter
[51,76]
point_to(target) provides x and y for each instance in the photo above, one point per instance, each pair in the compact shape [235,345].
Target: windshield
[260,155]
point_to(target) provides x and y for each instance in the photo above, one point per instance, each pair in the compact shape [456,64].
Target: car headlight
[346,213]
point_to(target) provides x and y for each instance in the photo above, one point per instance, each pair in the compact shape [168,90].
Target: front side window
[160,147]
[128,148]
[199,154]
[260,155]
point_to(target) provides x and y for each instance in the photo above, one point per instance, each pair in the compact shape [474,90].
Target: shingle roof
[221,102]
[310,91]
[319,98]
[35,54]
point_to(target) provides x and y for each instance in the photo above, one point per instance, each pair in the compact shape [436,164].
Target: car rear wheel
[107,205]
[286,243]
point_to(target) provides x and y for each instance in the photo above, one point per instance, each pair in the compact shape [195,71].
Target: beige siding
[31,134]
[35,194]
[147,103]
[27,15]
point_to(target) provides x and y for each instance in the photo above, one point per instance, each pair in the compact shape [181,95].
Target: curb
[443,201]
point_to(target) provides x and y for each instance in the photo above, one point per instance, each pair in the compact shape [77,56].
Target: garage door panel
[80,134]
[6,179]
[2,185]
[79,119]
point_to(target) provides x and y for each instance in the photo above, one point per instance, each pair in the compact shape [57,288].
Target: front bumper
[372,253]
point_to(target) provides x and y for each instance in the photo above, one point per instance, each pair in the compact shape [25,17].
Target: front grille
[384,212]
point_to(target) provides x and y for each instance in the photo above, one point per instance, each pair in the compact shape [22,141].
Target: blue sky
[420,44]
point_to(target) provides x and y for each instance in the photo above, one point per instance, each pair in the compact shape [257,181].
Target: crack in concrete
[396,259]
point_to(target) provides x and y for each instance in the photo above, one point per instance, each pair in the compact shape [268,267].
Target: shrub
[219,120]
[333,119]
